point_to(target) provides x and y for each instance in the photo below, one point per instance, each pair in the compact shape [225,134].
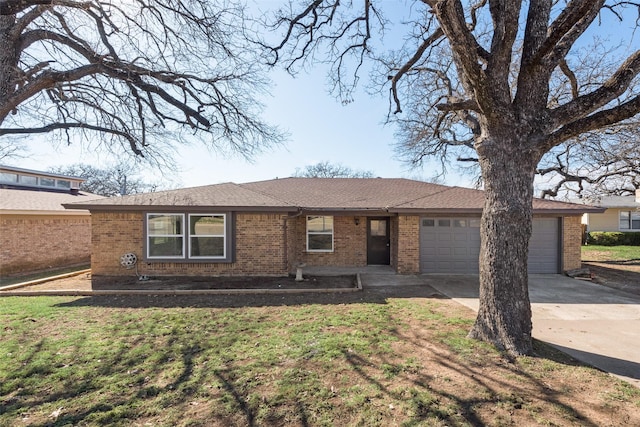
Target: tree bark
[8,59]
[504,316]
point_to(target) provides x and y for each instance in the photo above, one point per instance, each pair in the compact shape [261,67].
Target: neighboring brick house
[271,227]
[36,232]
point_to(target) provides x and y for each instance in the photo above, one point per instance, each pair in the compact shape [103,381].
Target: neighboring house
[36,232]
[622,213]
[271,227]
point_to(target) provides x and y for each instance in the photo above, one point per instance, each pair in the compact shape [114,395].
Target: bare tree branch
[147,69]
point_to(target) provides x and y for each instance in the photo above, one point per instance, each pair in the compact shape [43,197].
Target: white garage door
[452,245]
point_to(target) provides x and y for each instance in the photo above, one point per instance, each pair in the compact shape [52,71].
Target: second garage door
[452,245]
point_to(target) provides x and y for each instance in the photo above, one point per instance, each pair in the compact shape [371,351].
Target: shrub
[613,238]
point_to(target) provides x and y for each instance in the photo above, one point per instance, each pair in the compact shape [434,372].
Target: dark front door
[378,241]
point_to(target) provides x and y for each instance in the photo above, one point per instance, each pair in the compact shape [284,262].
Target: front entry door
[378,241]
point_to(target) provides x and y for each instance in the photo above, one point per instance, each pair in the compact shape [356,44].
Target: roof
[613,202]
[32,202]
[225,196]
[394,195]
[6,168]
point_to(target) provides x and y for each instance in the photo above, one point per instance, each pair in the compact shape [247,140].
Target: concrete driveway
[594,324]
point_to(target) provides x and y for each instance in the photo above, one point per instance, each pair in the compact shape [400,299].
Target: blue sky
[320,129]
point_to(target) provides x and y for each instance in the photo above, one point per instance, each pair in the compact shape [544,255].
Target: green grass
[610,253]
[100,361]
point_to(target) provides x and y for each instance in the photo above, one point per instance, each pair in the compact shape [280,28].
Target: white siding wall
[606,221]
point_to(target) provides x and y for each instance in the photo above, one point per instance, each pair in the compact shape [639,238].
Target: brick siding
[349,243]
[259,251]
[571,242]
[408,244]
[271,244]
[31,243]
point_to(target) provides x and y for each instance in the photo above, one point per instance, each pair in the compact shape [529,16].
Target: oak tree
[111,180]
[135,76]
[595,164]
[331,170]
[492,77]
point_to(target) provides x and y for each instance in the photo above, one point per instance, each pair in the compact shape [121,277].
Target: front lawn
[610,253]
[276,360]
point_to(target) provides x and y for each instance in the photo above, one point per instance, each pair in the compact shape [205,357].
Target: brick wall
[571,243]
[30,243]
[259,248]
[349,243]
[408,244]
[394,242]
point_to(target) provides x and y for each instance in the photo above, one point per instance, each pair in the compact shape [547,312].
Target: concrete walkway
[592,323]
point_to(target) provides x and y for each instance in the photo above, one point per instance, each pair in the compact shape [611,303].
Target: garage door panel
[452,245]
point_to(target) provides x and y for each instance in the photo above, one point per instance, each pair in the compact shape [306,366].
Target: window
[47,182]
[458,223]
[8,177]
[444,223]
[428,223]
[203,237]
[63,183]
[165,235]
[28,180]
[629,220]
[378,227]
[206,236]
[320,233]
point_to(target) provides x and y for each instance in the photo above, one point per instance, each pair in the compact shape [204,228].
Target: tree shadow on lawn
[430,395]
[459,391]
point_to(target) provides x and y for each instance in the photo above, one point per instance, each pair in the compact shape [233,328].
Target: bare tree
[137,76]
[594,164]
[12,150]
[481,77]
[331,170]
[119,179]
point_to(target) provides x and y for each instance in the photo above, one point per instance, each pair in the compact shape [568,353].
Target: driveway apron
[592,323]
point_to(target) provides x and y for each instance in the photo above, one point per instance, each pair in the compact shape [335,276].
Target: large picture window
[630,220]
[201,237]
[320,233]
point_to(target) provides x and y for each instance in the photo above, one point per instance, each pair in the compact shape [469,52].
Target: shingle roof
[40,202]
[324,194]
[227,195]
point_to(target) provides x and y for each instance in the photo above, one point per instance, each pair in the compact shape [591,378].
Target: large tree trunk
[8,59]
[504,316]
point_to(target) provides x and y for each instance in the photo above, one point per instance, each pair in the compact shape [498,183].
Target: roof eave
[82,212]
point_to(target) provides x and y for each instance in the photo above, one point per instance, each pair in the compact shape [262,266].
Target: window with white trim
[165,235]
[207,236]
[188,236]
[319,233]
[629,220]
